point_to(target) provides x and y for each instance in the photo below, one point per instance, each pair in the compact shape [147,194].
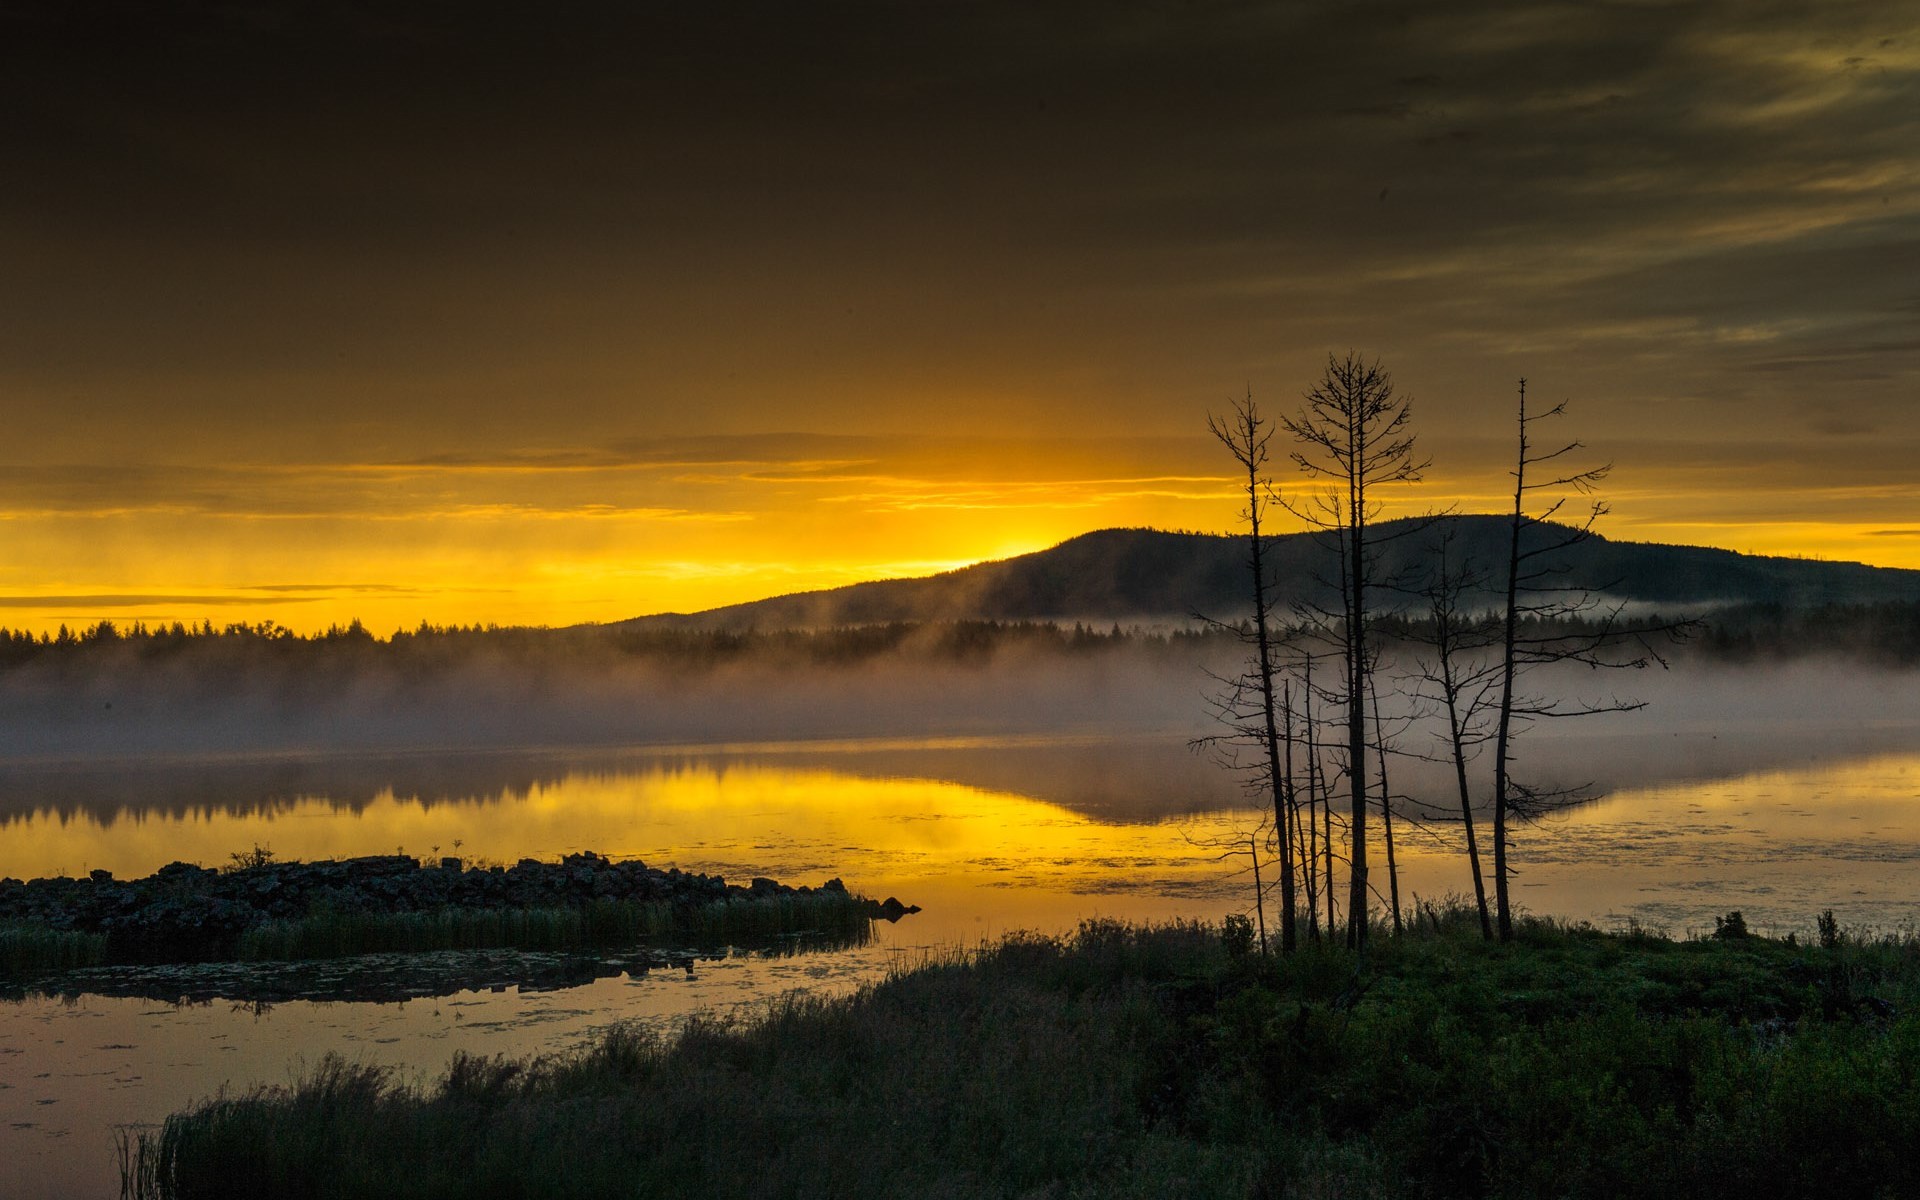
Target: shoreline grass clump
[831,916]
[1152,1062]
[27,949]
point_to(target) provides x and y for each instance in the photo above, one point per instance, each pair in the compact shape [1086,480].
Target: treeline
[428,644]
[1887,632]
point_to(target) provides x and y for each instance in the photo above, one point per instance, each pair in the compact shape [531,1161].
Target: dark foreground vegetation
[258,909]
[1165,1062]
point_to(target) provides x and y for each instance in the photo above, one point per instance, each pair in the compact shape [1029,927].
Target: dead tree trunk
[1297,847]
[1509,639]
[1566,630]
[1461,695]
[1245,436]
[1259,890]
[1310,865]
[1386,809]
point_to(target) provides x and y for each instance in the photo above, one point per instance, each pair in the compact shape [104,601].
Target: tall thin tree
[1303,852]
[1461,682]
[1386,806]
[1246,434]
[1565,623]
[1353,433]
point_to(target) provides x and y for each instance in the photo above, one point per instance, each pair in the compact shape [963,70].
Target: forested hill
[1132,575]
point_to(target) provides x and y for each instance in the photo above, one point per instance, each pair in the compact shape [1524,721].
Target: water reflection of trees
[1134,779]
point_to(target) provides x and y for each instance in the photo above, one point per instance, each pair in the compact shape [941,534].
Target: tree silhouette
[1545,620]
[1246,434]
[1460,681]
[1352,435]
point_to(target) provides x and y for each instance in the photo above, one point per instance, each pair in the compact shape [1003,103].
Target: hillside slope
[1145,574]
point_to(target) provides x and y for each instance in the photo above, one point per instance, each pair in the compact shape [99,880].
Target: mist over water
[570,695]
[1104,741]
[133,754]
[488,699]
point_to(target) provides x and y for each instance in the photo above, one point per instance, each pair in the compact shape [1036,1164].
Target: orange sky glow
[324,312]
[393,545]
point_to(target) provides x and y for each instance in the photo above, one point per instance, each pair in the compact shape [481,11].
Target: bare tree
[1246,434]
[1570,624]
[1319,793]
[1352,433]
[1386,804]
[1461,678]
[1319,833]
[1305,834]
[1230,846]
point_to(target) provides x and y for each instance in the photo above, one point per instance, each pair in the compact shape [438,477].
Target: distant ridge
[1130,575]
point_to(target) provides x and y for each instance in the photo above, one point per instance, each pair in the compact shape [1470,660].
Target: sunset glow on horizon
[394,545]
[331,313]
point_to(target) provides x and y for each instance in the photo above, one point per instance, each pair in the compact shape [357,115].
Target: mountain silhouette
[1130,575]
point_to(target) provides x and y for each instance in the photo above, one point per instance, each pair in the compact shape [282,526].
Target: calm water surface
[988,835]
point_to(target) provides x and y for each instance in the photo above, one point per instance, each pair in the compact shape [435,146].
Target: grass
[1154,1062]
[831,915]
[34,949]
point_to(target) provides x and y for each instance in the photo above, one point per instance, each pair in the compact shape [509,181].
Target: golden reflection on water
[923,839]
[1781,845]
[986,858]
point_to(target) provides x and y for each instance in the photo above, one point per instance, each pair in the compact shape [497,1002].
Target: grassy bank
[28,949]
[834,916]
[1127,1062]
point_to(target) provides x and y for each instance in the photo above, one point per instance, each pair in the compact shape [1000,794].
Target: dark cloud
[611,236]
[650,478]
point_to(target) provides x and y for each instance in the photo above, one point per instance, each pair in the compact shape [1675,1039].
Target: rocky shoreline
[189,911]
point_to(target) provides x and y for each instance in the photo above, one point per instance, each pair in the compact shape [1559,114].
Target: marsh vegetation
[1125,1061]
[262,910]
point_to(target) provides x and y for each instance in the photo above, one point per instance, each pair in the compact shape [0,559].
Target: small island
[257,909]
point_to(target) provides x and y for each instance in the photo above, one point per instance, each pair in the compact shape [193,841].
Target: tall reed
[33,949]
[832,915]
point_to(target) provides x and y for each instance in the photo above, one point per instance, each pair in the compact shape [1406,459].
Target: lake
[988,834]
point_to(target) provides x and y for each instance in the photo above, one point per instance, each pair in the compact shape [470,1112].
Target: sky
[553,313]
